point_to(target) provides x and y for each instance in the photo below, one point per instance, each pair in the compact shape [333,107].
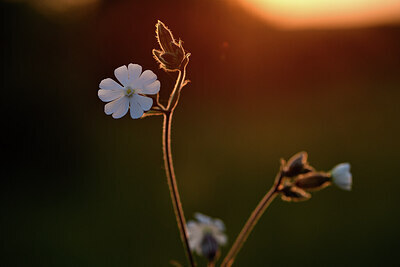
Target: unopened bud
[172,53]
[313,181]
[293,193]
[297,165]
[168,61]
[164,37]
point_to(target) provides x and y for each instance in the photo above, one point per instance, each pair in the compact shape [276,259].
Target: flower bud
[313,181]
[172,53]
[297,165]
[293,193]
[164,37]
[168,61]
[341,176]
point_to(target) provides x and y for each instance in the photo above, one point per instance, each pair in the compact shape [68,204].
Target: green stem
[252,221]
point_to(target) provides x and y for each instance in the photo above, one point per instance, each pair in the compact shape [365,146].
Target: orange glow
[59,6]
[325,13]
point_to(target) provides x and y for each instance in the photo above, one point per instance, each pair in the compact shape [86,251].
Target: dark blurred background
[82,189]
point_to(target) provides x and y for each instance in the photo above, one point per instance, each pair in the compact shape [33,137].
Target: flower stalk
[180,82]
[169,166]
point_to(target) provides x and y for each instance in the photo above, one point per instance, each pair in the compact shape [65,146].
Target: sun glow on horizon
[325,13]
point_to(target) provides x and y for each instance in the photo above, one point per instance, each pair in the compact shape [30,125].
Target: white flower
[206,235]
[342,177]
[130,94]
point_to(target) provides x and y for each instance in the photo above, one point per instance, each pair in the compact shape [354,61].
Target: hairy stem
[180,82]
[252,221]
[169,167]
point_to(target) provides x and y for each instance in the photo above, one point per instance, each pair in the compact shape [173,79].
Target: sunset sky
[289,14]
[325,13]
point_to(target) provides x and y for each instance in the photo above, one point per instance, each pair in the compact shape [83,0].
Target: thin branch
[169,167]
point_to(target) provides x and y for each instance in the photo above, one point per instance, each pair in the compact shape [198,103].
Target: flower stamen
[129,91]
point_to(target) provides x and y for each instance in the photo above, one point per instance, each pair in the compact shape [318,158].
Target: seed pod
[313,181]
[293,193]
[168,61]
[172,53]
[297,165]
[164,37]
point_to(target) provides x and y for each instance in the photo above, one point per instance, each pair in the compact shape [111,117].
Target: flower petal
[221,238]
[144,101]
[109,95]
[202,218]
[122,75]
[219,224]
[146,78]
[122,108]
[344,181]
[191,224]
[342,177]
[136,110]
[341,168]
[116,105]
[110,84]
[150,89]
[134,71]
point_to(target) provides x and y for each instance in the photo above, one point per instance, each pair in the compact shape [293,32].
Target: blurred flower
[172,53]
[341,176]
[130,94]
[206,235]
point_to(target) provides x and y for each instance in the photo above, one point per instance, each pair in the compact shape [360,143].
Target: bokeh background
[79,188]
